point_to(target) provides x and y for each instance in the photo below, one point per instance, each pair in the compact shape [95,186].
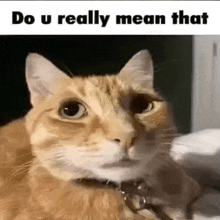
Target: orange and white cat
[114,128]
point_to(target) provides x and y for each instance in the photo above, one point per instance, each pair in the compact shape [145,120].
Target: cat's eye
[72,110]
[140,104]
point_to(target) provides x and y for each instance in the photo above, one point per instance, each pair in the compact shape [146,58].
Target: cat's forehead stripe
[86,91]
[78,86]
[106,92]
[92,91]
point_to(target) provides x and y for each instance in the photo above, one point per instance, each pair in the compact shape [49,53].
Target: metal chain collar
[135,193]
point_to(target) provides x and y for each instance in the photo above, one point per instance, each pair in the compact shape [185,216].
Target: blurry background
[206,83]
[172,55]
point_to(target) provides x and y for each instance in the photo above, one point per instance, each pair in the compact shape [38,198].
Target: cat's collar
[128,189]
[134,193]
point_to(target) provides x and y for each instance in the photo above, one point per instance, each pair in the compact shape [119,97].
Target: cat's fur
[42,154]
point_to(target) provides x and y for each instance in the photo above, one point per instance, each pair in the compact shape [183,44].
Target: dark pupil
[71,109]
[139,104]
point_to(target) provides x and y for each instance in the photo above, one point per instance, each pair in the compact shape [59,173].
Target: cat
[113,127]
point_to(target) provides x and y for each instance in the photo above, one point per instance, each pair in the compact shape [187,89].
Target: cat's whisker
[187,145]
[69,71]
[170,129]
[170,135]
[18,172]
[177,143]
[23,164]
[93,156]
[12,160]
[20,167]
[167,142]
[10,180]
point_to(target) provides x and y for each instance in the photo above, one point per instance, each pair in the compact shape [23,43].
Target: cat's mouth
[125,162]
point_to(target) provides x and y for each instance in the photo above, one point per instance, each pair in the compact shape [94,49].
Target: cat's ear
[138,71]
[41,76]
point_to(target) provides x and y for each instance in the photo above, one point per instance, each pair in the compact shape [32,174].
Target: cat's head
[105,127]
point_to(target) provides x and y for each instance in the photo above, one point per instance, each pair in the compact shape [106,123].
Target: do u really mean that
[94,17]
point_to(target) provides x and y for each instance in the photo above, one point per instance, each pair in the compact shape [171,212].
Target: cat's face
[105,127]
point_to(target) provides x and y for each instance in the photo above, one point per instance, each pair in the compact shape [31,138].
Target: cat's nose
[117,140]
[123,131]
[126,141]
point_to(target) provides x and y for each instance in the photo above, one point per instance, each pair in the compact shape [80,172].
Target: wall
[206,83]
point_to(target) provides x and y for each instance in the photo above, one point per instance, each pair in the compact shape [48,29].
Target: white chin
[119,174]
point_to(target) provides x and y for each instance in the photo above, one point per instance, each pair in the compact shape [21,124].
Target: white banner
[109,17]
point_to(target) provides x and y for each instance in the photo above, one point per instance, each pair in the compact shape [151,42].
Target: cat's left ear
[138,71]
[41,76]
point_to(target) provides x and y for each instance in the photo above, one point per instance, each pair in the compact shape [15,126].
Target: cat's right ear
[138,71]
[41,76]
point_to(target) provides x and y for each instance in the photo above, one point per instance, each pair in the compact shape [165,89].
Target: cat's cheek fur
[40,135]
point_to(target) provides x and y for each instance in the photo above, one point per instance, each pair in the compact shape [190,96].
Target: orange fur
[44,153]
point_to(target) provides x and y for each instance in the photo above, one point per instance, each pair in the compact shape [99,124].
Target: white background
[112,8]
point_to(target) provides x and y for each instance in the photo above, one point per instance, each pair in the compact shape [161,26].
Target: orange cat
[105,128]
